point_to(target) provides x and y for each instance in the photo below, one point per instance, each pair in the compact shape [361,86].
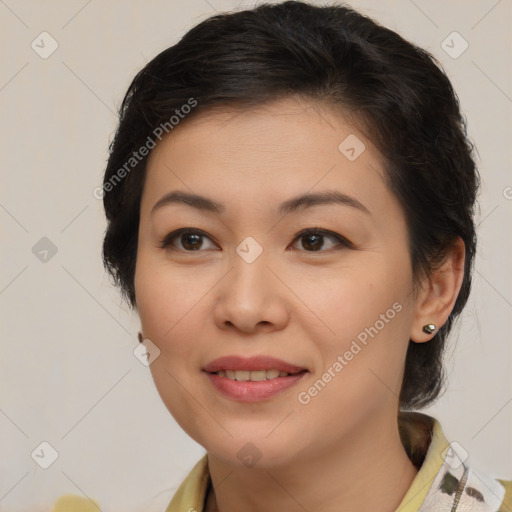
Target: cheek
[366,317]
[166,297]
[165,303]
[346,302]
[362,363]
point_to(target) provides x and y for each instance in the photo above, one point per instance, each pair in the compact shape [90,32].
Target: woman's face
[239,281]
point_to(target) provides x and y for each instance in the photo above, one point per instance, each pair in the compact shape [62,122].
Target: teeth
[272,374]
[257,375]
[242,375]
[254,376]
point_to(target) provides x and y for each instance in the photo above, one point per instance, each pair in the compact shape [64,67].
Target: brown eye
[189,240]
[313,240]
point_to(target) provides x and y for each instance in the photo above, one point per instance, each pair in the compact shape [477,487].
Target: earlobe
[440,291]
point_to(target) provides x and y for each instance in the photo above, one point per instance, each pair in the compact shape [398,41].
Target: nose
[251,298]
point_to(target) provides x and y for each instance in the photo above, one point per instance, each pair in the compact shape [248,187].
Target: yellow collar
[443,483]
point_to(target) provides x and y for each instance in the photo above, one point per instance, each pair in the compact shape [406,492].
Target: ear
[439,292]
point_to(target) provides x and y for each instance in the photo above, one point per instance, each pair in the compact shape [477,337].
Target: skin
[342,450]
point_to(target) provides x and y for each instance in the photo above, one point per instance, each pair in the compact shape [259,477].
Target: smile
[252,379]
[254,376]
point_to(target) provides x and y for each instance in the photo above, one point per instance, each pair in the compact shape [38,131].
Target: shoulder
[462,487]
[72,503]
[454,483]
[506,505]
[191,494]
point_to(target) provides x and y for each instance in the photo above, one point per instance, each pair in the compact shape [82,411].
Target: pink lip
[250,364]
[248,391]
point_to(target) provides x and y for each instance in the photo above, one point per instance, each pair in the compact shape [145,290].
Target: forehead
[268,153]
[289,126]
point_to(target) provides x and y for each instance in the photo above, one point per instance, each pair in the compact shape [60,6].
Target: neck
[370,470]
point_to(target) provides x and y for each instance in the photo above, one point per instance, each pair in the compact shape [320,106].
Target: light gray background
[68,374]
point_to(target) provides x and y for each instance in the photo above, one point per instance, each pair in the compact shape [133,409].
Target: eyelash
[166,242]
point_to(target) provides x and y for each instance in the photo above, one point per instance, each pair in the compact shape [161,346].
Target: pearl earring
[429,328]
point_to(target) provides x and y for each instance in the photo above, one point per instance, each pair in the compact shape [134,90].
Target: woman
[290,199]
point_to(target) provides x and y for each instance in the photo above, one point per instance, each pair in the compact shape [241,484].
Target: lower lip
[249,391]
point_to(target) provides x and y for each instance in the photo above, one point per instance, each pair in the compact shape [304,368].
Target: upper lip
[251,364]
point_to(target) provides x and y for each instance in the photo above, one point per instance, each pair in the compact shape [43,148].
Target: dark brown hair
[346,61]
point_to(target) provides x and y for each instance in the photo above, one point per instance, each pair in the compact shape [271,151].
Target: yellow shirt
[444,481]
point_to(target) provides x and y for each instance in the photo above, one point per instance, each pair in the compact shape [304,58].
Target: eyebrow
[291,205]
